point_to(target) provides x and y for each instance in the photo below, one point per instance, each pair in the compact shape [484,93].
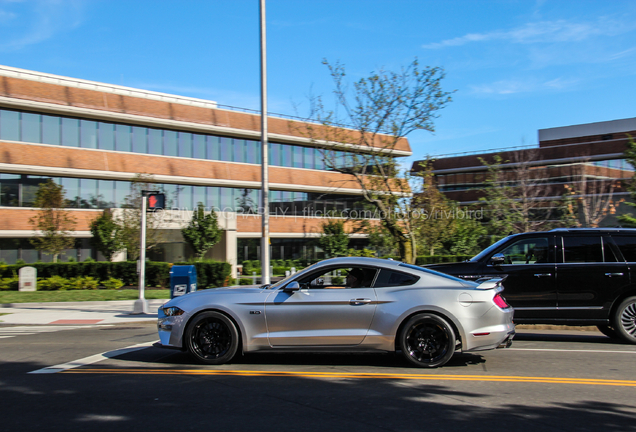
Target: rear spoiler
[490,282]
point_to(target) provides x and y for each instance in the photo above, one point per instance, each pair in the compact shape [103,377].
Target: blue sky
[516,66]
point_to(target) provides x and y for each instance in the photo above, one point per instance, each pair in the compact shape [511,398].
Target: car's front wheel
[427,340]
[212,338]
[625,320]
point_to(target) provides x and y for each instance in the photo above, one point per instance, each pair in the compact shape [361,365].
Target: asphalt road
[111,378]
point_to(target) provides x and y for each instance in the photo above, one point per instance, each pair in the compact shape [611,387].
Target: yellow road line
[337,375]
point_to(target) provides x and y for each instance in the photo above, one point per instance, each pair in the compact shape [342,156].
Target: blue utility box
[183,279]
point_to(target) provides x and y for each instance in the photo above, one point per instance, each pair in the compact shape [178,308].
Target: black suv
[584,276]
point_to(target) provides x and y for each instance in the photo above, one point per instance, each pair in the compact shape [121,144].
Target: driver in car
[354,278]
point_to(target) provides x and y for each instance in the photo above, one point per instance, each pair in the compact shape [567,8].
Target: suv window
[627,246]
[528,251]
[586,250]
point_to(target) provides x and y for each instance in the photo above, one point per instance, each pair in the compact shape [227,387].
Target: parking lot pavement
[76,313]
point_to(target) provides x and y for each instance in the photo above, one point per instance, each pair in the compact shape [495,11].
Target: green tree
[53,222]
[628,220]
[334,240]
[435,218]
[106,232]
[203,231]
[380,112]
[129,218]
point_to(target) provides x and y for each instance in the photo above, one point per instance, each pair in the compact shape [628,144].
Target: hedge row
[210,274]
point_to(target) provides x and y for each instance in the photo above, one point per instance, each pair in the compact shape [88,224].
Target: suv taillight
[500,301]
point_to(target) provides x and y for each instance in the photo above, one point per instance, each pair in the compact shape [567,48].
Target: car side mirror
[292,286]
[498,259]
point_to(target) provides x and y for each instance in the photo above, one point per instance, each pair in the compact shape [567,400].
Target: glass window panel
[239,148]
[298,157]
[214,198]
[226,149]
[582,249]
[121,191]
[185,144]
[70,132]
[29,189]
[105,194]
[9,190]
[27,252]
[9,250]
[88,134]
[71,189]
[31,128]
[10,125]
[198,196]
[88,193]
[225,199]
[170,190]
[309,158]
[252,151]
[155,141]
[139,139]
[123,136]
[198,146]
[170,143]
[185,198]
[106,136]
[213,144]
[286,159]
[319,159]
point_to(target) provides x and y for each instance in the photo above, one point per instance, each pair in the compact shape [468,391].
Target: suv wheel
[625,320]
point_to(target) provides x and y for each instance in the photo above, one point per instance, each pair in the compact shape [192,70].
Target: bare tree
[382,110]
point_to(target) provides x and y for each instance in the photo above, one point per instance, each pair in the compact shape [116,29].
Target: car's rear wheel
[212,338]
[625,320]
[608,331]
[427,340]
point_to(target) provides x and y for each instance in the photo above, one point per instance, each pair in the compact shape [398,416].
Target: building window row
[19,190]
[75,132]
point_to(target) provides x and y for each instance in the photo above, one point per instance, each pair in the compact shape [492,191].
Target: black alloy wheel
[625,320]
[212,338]
[427,341]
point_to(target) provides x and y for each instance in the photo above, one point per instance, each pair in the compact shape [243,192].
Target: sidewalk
[72,313]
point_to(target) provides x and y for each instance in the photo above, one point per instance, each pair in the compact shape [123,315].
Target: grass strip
[79,295]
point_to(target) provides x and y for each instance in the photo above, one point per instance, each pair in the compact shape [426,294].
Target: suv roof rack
[616,229]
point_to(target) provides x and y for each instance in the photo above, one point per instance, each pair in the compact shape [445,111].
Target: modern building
[95,139]
[586,159]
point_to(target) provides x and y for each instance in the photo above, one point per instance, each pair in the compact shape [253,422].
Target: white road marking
[6,332]
[91,359]
[571,350]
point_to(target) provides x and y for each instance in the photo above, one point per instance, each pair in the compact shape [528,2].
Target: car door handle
[539,275]
[613,274]
[359,301]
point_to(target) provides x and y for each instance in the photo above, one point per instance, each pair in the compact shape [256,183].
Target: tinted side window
[390,278]
[627,246]
[583,250]
[528,251]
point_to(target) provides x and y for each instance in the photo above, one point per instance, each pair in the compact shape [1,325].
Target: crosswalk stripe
[7,332]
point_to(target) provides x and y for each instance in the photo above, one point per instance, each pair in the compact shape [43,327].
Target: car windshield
[436,273]
[488,250]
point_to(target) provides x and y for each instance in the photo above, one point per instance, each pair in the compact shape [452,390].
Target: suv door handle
[542,275]
[359,301]
[613,274]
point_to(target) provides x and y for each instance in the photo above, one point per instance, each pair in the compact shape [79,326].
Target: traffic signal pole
[141,304]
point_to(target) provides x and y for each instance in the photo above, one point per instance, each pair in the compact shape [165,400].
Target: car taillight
[500,301]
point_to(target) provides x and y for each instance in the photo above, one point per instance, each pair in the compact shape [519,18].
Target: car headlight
[173,311]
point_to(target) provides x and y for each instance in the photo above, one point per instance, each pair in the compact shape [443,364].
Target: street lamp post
[265,279]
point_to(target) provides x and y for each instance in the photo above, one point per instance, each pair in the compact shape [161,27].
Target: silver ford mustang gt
[343,304]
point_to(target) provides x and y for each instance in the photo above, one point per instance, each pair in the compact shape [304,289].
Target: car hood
[204,295]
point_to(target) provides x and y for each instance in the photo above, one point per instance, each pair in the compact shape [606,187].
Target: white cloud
[507,87]
[543,32]
[29,23]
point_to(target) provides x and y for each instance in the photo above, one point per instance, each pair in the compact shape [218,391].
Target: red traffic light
[156,201]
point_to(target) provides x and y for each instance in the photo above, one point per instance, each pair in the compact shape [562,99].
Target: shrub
[53,283]
[112,283]
[82,282]
[246,281]
[9,284]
